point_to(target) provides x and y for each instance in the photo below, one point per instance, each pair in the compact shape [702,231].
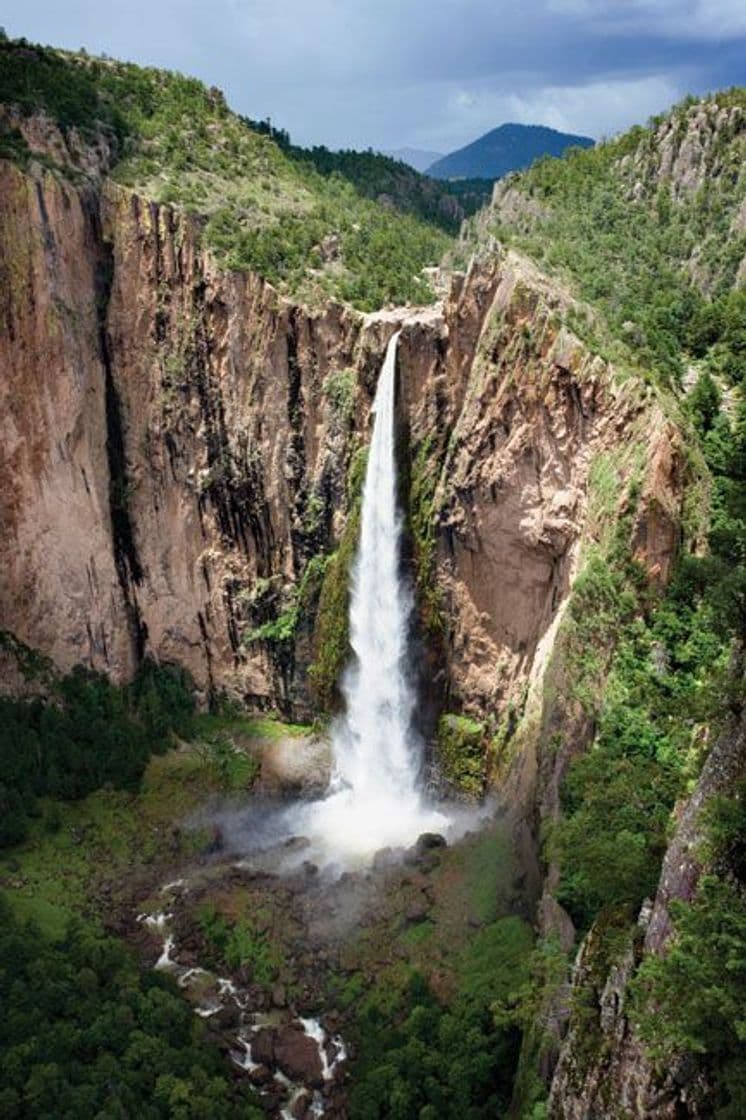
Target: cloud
[392,72]
[676,19]
[595,109]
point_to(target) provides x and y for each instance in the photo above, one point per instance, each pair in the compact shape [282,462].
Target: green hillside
[650,228]
[176,141]
[391,182]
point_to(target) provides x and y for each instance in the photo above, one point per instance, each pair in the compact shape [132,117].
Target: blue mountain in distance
[511,147]
[417,158]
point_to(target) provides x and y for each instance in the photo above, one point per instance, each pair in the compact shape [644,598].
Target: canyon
[172,449]
[182,450]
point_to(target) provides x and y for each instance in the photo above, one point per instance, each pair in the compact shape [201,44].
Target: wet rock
[428,841]
[263,1047]
[261,1075]
[424,861]
[386,858]
[279,995]
[301,1106]
[310,869]
[228,1018]
[295,766]
[272,1098]
[298,1056]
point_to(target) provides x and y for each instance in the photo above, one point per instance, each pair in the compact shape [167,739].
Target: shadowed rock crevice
[126,558]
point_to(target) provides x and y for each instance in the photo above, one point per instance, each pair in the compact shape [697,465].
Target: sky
[433,75]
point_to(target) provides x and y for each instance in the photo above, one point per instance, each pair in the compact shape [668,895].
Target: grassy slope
[311,234]
[113,836]
[390,181]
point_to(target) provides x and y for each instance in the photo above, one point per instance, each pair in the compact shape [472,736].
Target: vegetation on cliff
[692,999]
[315,233]
[647,226]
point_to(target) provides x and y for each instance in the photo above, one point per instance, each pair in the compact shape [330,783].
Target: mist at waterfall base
[375,798]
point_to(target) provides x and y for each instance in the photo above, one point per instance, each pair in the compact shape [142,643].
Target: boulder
[417,910]
[260,1075]
[298,1056]
[301,1106]
[263,1047]
[297,765]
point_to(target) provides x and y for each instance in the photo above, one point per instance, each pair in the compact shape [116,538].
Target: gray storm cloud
[435,75]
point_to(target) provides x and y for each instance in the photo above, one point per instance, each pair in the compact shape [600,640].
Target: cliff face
[163,428]
[512,432]
[177,441]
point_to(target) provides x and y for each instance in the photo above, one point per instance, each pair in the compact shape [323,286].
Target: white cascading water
[374,799]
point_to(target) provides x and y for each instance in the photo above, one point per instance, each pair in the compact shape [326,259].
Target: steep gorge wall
[513,422]
[165,436]
[175,453]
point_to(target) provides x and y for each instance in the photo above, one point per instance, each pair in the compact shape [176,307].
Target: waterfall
[374,799]
[373,743]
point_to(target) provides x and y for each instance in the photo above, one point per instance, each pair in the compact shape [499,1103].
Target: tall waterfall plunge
[373,745]
[374,799]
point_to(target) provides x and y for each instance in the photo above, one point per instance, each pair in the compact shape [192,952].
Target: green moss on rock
[332,633]
[460,753]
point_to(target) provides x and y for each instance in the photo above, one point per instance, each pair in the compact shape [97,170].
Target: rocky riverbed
[268,958]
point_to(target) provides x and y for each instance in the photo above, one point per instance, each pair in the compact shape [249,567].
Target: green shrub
[88,734]
[239,944]
[421,1059]
[691,999]
[629,244]
[460,753]
[617,799]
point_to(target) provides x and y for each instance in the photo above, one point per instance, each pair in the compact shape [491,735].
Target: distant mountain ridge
[510,147]
[417,158]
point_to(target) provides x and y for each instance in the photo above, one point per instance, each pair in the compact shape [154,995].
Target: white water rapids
[374,799]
